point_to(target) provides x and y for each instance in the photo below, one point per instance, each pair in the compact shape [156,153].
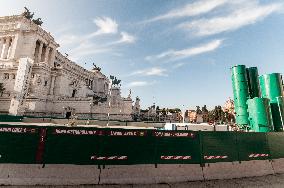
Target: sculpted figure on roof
[28,13]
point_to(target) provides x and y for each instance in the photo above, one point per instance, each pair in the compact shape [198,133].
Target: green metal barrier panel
[276,144]
[72,145]
[89,145]
[127,147]
[98,146]
[9,118]
[177,147]
[19,144]
[218,147]
[252,146]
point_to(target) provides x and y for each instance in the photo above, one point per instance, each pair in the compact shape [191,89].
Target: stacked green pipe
[253,83]
[272,88]
[241,94]
[280,105]
[260,114]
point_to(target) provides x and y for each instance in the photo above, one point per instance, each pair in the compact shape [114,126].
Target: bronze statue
[96,67]
[198,111]
[204,109]
[115,81]
[28,14]
[38,21]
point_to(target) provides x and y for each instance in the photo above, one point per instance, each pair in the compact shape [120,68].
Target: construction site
[145,153]
[65,123]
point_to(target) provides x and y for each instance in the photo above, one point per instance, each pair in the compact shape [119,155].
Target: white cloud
[178,65]
[192,9]
[249,13]
[125,38]
[154,71]
[181,54]
[82,45]
[106,25]
[67,39]
[87,48]
[139,84]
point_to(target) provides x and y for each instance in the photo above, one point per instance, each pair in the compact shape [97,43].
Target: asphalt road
[271,181]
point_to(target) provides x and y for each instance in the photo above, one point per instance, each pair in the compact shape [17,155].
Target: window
[13,76]
[45,83]
[73,92]
[6,76]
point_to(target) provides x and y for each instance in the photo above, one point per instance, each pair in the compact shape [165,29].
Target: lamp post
[90,117]
[148,114]
[183,113]
[109,103]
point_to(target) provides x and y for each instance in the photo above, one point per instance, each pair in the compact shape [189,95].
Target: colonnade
[5,47]
[43,52]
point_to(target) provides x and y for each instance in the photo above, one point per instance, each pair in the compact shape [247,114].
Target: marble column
[51,90]
[47,51]
[6,48]
[36,52]
[1,45]
[39,52]
[10,48]
[52,57]
[43,53]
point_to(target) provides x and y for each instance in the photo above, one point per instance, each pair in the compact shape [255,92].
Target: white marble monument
[40,81]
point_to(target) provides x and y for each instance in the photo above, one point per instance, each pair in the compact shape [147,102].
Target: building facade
[40,81]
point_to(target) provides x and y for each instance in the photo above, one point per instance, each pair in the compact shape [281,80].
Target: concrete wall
[23,174]
[92,122]
[5,105]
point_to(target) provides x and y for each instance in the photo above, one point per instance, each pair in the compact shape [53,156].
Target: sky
[173,53]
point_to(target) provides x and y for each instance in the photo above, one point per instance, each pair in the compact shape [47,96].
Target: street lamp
[109,103]
[148,114]
[183,113]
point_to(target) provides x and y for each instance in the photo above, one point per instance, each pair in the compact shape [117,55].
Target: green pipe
[241,93]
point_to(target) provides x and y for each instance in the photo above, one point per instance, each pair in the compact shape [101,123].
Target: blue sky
[171,52]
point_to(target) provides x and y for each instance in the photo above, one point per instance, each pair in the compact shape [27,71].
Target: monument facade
[40,81]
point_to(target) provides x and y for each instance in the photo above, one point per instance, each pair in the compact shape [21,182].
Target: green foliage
[174,110]
[220,116]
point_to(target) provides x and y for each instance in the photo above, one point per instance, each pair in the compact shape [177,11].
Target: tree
[2,89]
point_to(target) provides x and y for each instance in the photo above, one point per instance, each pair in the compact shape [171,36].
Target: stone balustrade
[10,26]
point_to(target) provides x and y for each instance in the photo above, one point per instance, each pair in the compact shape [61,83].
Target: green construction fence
[96,146]
[10,118]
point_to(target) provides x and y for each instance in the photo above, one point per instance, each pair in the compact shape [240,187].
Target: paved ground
[271,181]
